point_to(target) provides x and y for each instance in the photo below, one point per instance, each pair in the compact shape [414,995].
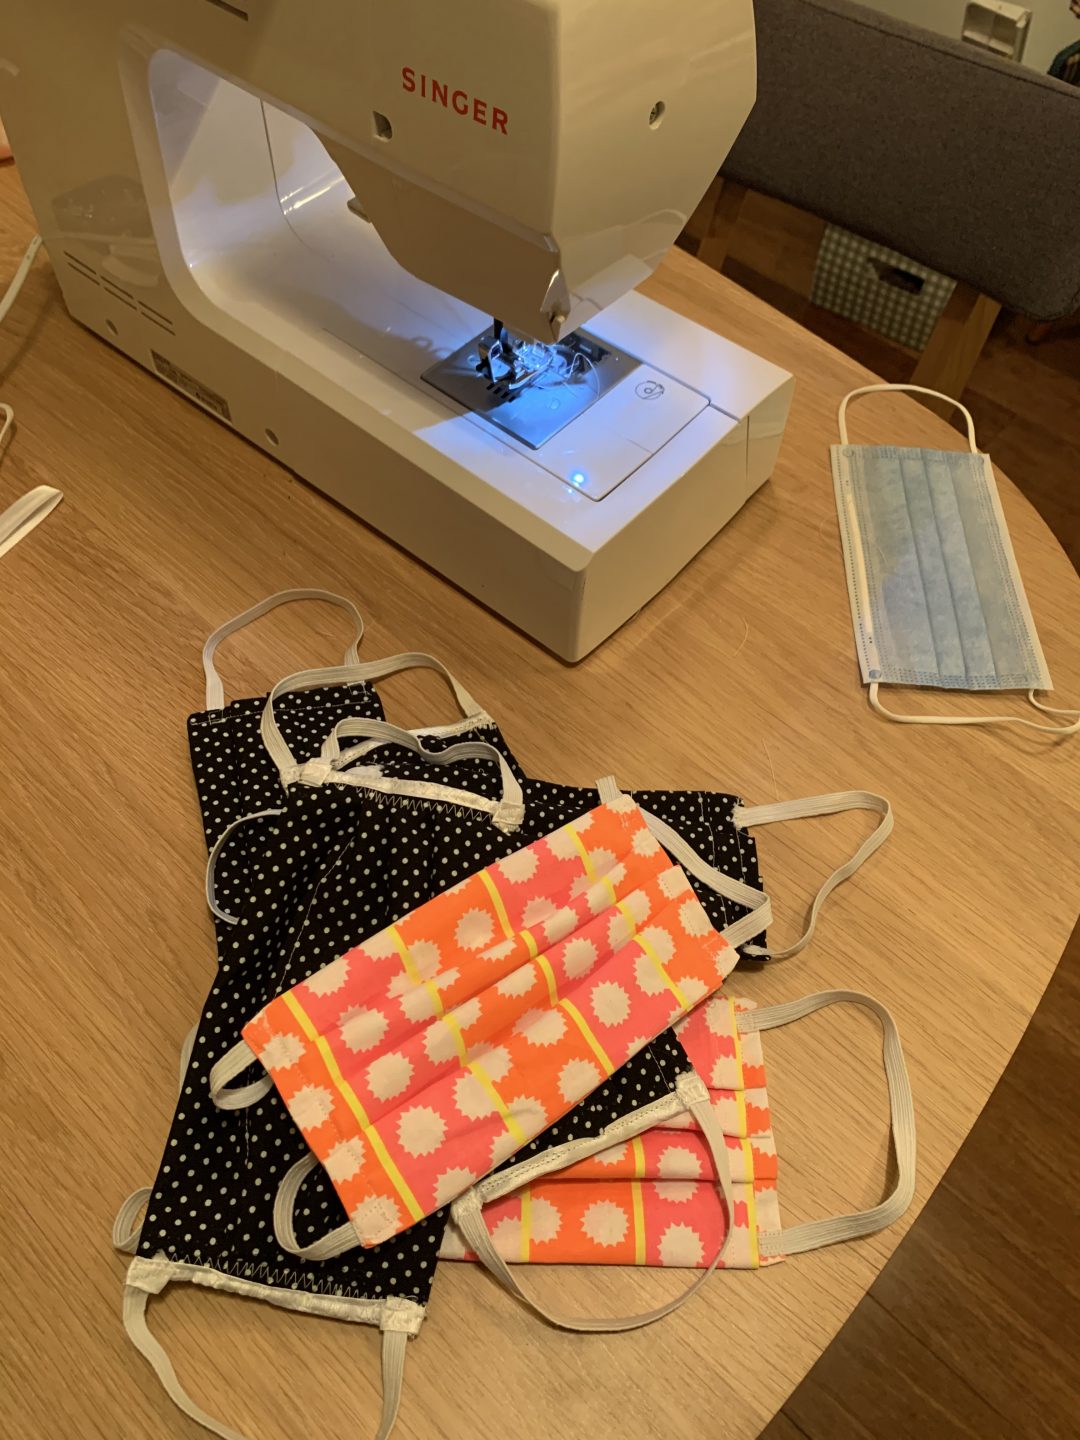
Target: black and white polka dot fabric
[235,776]
[338,864]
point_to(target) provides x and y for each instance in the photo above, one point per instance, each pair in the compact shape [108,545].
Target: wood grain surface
[740,676]
[972,1329]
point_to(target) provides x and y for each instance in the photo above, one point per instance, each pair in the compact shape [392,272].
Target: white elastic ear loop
[746,816]
[328,1246]
[138,1332]
[684,854]
[272,738]
[756,901]
[508,814]
[215,691]
[27,513]
[908,390]
[215,856]
[467,1214]
[396,1328]
[233,1063]
[1062,730]
[819,1233]
[18,280]
[394,1343]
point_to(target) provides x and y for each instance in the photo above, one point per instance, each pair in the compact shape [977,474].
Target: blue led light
[578,477]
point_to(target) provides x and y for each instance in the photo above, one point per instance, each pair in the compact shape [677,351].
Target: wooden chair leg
[955,346]
[711,226]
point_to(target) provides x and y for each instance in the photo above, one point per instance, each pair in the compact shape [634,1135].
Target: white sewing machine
[342,226]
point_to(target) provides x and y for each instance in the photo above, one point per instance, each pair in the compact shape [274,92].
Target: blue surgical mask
[936,596]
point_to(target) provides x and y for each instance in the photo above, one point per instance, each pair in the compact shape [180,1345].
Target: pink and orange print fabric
[653,1200]
[424,1057]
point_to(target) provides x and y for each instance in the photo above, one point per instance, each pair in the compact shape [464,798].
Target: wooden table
[740,676]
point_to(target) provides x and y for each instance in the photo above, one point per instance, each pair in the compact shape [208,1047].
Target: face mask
[547,797]
[422,1059]
[936,595]
[191,1232]
[650,1202]
[616,1112]
[234,775]
[653,1200]
[732,1066]
[442,842]
[385,848]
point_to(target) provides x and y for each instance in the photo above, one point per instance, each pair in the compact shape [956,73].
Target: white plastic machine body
[294,211]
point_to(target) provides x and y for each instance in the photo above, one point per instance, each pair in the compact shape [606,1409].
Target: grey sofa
[964,162]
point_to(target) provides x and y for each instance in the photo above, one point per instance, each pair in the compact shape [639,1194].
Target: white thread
[1062,730]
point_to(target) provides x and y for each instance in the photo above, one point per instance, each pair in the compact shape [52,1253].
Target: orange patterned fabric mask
[654,1200]
[425,1057]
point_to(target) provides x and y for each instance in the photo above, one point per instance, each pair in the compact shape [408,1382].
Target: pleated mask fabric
[653,1201]
[417,1062]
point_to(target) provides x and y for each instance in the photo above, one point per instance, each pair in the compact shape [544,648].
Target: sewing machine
[395,244]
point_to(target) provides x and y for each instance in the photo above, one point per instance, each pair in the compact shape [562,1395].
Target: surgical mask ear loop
[907,390]
[875,701]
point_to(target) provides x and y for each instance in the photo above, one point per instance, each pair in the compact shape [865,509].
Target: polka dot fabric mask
[205,1223]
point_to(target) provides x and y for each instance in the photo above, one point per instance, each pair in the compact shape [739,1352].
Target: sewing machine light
[530,390]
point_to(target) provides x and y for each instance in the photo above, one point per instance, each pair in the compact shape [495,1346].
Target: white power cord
[19,519]
[7,415]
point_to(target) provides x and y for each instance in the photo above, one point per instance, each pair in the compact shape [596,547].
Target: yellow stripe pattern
[590,868]
[638,1150]
[459,1040]
[748,1149]
[499,1103]
[593,1043]
[631,923]
[526,1221]
[639,1222]
[497,901]
[625,912]
[751,1208]
[348,1094]
[413,973]
[658,965]
[740,1092]
[543,964]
